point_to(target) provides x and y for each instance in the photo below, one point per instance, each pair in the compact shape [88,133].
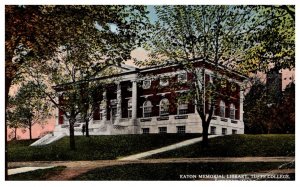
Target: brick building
[148,100]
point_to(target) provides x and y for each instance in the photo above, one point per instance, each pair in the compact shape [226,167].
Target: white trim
[146,96]
[162,79]
[186,77]
[163,94]
[144,87]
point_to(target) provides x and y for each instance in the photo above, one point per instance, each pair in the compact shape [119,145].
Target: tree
[266,113]
[212,34]
[30,107]
[270,40]
[33,33]
[85,53]
[90,103]
[13,124]
[256,109]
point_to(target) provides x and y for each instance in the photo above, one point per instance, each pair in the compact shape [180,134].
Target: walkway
[164,149]
[26,169]
[76,168]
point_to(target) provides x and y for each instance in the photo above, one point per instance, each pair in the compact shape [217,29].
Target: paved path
[76,168]
[26,169]
[164,149]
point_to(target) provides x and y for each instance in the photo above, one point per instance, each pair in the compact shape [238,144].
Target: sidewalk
[26,169]
[76,168]
[164,149]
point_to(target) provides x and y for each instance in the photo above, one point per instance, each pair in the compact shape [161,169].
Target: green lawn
[172,171]
[238,146]
[41,174]
[93,148]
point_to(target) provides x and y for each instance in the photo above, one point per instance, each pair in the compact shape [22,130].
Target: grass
[20,143]
[41,174]
[172,171]
[238,146]
[93,148]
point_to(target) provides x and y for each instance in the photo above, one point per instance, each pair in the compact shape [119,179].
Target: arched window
[232,111]
[222,109]
[182,107]
[130,108]
[147,109]
[164,107]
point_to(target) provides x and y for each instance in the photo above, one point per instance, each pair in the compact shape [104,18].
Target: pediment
[114,70]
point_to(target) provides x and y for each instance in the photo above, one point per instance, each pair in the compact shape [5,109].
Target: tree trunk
[15,133]
[204,134]
[72,136]
[30,130]
[87,134]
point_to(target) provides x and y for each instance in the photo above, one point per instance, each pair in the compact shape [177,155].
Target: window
[232,111]
[145,130]
[212,130]
[182,108]
[164,107]
[182,77]
[234,131]
[146,84]
[162,130]
[181,129]
[147,109]
[222,109]
[164,81]
[224,131]
[130,108]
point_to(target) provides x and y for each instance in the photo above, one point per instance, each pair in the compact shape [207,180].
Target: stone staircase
[49,138]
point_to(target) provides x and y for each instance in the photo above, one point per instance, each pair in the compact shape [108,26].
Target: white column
[104,105]
[134,100]
[119,101]
[241,105]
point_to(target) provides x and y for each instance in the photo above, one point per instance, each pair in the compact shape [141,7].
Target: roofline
[194,61]
[140,70]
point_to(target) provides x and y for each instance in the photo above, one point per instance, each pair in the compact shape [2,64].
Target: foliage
[29,107]
[211,35]
[261,102]
[87,39]
[95,147]
[269,42]
[238,146]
